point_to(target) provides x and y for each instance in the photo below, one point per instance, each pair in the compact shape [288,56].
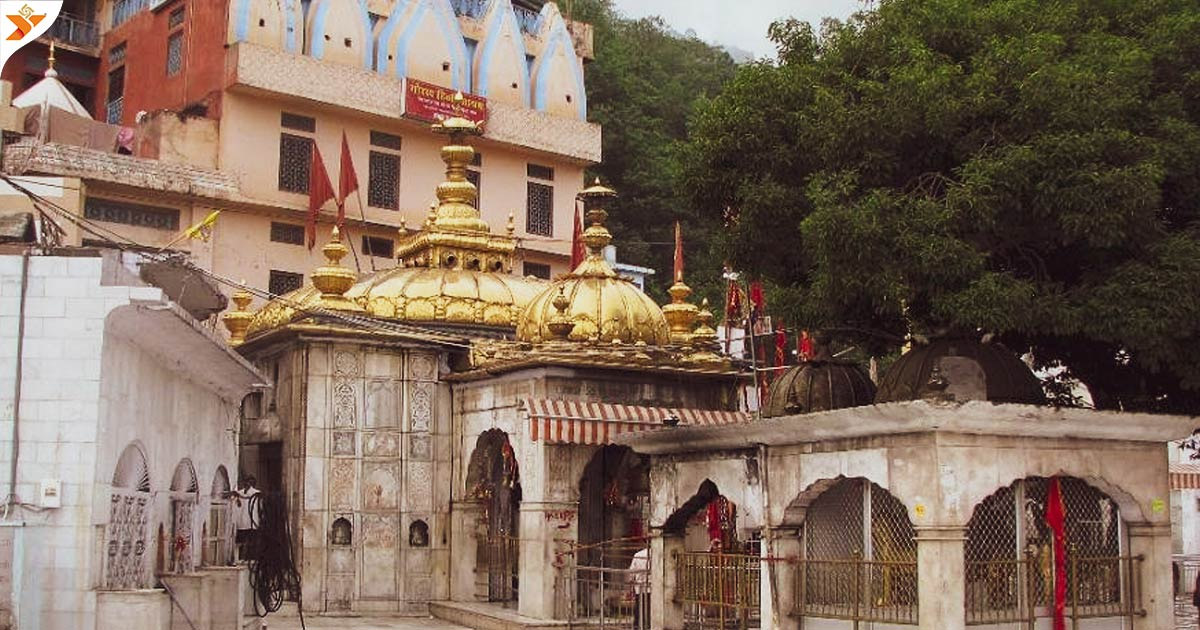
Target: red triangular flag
[678,253]
[347,180]
[320,190]
[1056,518]
[578,249]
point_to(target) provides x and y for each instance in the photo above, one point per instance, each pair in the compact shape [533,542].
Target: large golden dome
[593,303]
[454,296]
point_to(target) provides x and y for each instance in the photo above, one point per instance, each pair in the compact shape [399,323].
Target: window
[378,246]
[539,209]
[116,55]
[115,103]
[282,282]
[537,270]
[131,214]
[297,122]
[174,53]
[175,18]
[383,184]
[385,140]
[295,160]
[538,171]
[289,233]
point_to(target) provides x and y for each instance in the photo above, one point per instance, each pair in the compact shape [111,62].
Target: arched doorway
[859,556]
[184,490]
[129,510]
[1012,566]
[494,480]
[614,500]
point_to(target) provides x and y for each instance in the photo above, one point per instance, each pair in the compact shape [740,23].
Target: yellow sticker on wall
[920,510]
[1158,506]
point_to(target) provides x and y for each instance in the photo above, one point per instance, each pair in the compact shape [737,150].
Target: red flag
[320,190]
[678,253]
[578,249]
[758,301]
[804,346]
[1056,518]
[733,303]
[347,180]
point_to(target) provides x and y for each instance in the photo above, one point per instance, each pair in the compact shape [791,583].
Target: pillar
[941,577]
[666,613]
[1153,543]
[780,610]
[541,525]
[464,569]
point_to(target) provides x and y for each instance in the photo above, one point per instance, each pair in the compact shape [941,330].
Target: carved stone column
[541,524]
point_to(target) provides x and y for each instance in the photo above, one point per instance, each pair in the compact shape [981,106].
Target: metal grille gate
[605,584]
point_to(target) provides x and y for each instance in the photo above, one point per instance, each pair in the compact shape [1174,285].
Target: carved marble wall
[376,453]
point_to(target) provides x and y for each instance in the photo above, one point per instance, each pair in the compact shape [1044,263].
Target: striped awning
[1185,476]
[574,422]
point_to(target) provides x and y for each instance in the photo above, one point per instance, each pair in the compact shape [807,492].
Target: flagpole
[362,213]
[353,250]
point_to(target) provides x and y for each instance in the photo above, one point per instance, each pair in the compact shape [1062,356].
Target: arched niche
[418,534]
[421,40]
[557,76]
[277,24]
[340,31]
[341,533]
[707,521]
[493,479]
[130,510]
[500,70]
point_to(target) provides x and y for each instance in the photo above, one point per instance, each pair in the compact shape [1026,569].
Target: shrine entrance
[129,510]
[493,479]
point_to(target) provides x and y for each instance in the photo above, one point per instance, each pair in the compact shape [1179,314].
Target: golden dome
[440,295]
[281,310]
[601,306]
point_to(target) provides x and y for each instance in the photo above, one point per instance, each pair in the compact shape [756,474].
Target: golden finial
[596,236]
[680,314]
[333,279]
[403,226]
[512,226]
[704,338]
[237,321]
[50,71]
[560,325]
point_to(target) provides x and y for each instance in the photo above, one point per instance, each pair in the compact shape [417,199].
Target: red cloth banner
[320,190]
[780,348]
[804,346]
[578,248]
[347,180]
[1056,518]
[432,103]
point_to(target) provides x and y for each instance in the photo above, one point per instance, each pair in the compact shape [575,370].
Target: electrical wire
[273,574]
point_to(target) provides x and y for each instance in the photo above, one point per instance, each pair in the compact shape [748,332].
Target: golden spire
[333,279]
[50,71]
[596,236]
[454,235]
[704,338]
[680,314]
[237,321]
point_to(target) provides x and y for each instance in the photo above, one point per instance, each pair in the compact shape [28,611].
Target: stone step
[490,616]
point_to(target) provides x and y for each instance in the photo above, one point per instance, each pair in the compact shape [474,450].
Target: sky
[742,24]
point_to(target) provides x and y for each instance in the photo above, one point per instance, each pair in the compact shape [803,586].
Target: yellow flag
[203,229]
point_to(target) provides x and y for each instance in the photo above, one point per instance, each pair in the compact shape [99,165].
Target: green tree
[642,88]
[1019,167]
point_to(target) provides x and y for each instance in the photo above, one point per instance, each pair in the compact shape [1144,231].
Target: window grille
[378,246]
[295,162]
[125,9]
[385,140]
[174,53]
[475,177]
[383,184]
[537,270]
[859,556]
[175,18]
[131,214]
[1010,559]
[539,209]
[282,282]
[116,54]
[298,122]
[538,171]
[289,233]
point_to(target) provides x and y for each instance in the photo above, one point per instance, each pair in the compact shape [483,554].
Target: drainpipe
[772,584]
[12,499]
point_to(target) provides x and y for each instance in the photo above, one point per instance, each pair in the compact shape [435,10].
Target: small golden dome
[282,310]
[603,306]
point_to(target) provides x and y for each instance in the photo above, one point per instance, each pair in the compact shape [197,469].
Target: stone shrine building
[443,429]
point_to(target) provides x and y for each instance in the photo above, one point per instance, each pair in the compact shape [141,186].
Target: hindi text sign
[431,103]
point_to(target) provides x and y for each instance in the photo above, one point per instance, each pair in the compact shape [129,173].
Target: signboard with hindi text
[430,103]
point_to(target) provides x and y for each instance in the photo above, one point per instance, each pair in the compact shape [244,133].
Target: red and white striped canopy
[574,422]
[1185,476]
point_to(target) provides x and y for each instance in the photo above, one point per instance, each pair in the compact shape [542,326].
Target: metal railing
[1022,591]
[502,564]
[75,31]
[1183,573]
[124,9]
[114,111]
[526,18]
[601,585]
[857,590]
[718,590]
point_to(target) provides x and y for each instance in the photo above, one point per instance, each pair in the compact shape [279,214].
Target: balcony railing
[526,18]
[124,9]
[69,29]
